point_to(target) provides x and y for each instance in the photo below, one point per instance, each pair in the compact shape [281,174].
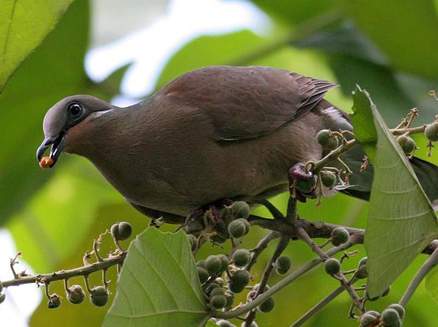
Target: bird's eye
[75,110]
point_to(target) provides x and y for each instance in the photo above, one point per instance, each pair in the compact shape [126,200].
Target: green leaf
[158,284]
[53,71]
[364,130]
[404,30]
[203,51]
[23,25]
[110,86]
[401,220]
[294,11]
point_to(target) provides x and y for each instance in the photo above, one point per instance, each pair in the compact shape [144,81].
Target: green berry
[282,264]
[362,272]
[2,297]
[238,228]
[328,178]
[407,144]
[363,261]
[367,320]
[125,230]
[224,323]
[54,301]
[217,291]
[327,140]
[99,296]
[218,301]
[240,209]
[399,308]
[230,299]
[239,280]
[214,264]
[390,317]
[203,274]
[210,287]
[225,261]
[241,257]
[323,137]
[267,306]
[75,294]
[431,132]
[121,231]
[201,263]
[306,185]
[332,266]
[339,236]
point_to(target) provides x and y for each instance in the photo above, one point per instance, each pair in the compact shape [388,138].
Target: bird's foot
[211,221]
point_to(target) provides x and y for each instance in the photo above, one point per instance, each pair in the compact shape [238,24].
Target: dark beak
[57,145]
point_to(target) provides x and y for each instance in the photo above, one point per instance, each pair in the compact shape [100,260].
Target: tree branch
[65,274]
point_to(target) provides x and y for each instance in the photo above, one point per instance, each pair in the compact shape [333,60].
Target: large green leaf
[401,220]
[365,131]
[53,71]
[406,31]
[294,11]
[158,284]
[203,51]
[23,25]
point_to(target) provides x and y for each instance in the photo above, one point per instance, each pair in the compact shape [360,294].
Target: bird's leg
[208,221]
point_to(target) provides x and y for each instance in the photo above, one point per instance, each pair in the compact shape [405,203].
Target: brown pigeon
[215,133]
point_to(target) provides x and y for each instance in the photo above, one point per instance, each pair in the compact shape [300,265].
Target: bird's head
[66,117]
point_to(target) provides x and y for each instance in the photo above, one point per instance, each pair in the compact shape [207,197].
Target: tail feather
[361,182]
[427,174]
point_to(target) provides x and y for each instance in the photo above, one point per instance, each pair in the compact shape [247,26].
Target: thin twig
[261,246]
[282,244]
[431,262]
[64,274]
[270,207]
[318,307]
[314,229]
[309,241]
[347,285]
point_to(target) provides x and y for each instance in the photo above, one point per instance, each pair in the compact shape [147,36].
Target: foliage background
[389,49]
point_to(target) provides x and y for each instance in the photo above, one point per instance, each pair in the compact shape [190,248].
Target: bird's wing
[247,102]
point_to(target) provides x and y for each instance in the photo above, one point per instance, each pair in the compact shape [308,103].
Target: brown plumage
[211,134]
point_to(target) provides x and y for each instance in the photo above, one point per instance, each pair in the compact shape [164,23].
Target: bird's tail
[361,182]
